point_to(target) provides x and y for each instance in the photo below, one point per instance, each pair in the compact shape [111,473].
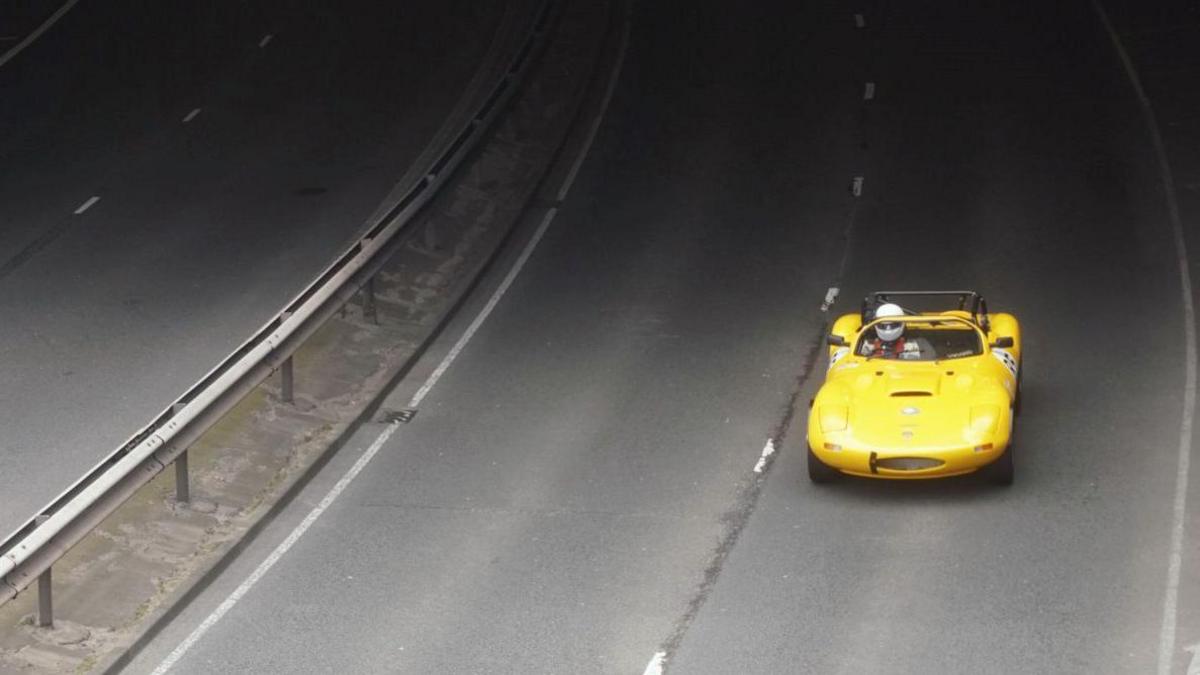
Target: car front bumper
[908,463]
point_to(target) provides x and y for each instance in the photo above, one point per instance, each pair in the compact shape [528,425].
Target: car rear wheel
[818,471]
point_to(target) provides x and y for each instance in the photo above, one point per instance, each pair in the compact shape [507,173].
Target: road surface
[577,493]
[172,174]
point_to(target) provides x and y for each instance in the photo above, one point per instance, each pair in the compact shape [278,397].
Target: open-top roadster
[918,394]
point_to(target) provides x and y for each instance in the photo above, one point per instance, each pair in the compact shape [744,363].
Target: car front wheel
[1001,471]
[818,471]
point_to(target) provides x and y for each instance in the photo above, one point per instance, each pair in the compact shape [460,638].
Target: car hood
[918,405]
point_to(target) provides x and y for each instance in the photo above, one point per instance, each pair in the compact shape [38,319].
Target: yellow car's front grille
[908,463]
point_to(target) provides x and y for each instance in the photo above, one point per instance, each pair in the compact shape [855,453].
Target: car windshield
[934,340]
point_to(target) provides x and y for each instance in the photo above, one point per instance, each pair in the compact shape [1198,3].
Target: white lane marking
[546,220]
[260,571]
[869,91]
[266,39]
[595,128]
[856,186]
[1166,641]
[1194,663]
[86,205]
[830,298]
[16,49]
[487,310]
[655,667]
[859,21]
[768,450]
[295,535]
[191,116]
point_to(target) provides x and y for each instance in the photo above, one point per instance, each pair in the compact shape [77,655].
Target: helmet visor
[889,330]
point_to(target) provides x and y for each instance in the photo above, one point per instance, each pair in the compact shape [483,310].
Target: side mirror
[1002,343]
[834,340]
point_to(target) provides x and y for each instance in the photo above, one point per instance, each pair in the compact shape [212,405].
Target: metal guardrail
[30,551]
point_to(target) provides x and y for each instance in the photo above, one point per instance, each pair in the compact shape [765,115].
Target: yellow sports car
[918,394]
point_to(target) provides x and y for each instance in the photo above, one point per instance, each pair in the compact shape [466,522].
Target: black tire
[1017,397]
[1001,471]
[819,472]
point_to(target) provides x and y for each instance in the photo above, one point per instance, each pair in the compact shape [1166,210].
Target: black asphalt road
[19,19]
[1162,40]
[577,493]
[204,228]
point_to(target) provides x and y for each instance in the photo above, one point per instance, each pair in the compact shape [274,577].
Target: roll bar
[977,305]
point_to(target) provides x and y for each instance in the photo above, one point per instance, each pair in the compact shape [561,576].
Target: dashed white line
[278,553]
[869,91]
[767,451]
[859,21]
[191,116]
[655,667]
[86,205]
[1166,640]
[830,298]
[265,41]
[856,186]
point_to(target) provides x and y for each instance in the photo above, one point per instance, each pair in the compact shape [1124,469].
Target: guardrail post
[285,376]
[45,613]
[182,493]
[368,290]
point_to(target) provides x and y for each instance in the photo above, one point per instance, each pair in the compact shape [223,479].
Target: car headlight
[984,418]
[832,417]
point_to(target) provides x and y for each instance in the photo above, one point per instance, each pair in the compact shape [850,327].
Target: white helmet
[889,330]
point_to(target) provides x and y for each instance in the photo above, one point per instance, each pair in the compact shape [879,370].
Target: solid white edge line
[191,116]
[86,205]
[655,667]
[275,555]
[337,489]
[1166,642]
[546,220]
[17,48]
[266,39]
[611,87]
[295,535]
[483,314]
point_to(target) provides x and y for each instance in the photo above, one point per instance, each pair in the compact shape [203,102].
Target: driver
[889,340]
